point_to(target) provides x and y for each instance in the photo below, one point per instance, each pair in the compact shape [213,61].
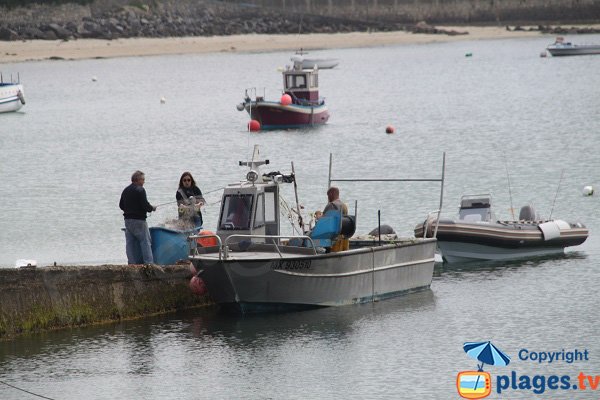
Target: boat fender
[21,97]
[348,226]
[286,100]
[198,287]
[240,107]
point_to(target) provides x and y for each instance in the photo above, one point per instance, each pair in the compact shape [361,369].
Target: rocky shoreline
[183,18]
[134,22]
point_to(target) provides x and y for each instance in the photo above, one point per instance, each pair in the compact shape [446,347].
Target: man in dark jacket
[137,235]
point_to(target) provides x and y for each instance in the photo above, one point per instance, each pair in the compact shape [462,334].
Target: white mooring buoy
[588,191]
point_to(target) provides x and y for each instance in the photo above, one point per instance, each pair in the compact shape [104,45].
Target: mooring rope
[26,391]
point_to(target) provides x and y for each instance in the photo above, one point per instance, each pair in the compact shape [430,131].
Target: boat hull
[254,281]
[274,115]
[579,50]
[11,97]
[460,252]
[463,242]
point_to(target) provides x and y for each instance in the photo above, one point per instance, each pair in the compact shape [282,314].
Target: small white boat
[12,96]
[253,269]
[302,62]
[478,236]
[562,48]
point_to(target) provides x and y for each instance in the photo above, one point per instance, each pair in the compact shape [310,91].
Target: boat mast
[300,222]
[556,194]
[512,210]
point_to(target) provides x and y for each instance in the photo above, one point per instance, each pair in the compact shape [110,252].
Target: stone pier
[36,299]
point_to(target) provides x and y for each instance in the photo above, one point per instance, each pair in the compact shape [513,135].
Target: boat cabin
[250,207]
[476,208]
[301,84]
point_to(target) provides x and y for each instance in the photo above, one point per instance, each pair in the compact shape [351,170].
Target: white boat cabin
[251,207]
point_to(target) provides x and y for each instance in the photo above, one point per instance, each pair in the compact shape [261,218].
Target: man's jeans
[138,242]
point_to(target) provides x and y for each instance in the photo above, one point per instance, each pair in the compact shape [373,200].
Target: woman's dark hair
[186,173]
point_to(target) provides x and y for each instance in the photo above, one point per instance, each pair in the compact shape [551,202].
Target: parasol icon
[487,353]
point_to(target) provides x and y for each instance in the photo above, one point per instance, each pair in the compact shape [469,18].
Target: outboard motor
[527,213]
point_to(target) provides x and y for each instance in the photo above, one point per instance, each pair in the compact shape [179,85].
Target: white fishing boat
[562,48]
[254,268]
[478,236]
[12,95]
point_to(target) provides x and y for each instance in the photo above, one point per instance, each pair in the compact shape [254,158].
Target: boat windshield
[474,214]
[296,81]
[235,214]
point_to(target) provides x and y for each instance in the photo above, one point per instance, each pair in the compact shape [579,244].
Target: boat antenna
[556,194]
[512,210]
[300,222]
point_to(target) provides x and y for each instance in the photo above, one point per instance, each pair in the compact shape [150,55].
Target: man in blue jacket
[137,235]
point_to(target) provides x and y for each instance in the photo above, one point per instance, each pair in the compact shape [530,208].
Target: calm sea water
[502,114]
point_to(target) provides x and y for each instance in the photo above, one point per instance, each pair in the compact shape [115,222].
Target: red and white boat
[299,106]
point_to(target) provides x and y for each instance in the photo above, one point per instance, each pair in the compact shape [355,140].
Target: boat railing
[249,92]
[194,249]
[224,249]
[430,220]
[305,102]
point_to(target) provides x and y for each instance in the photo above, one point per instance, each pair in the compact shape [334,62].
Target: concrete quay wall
[36,299]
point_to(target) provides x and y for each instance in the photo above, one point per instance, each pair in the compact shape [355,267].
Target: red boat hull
[272,115]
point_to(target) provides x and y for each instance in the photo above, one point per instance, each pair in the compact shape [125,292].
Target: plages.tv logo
[478,384]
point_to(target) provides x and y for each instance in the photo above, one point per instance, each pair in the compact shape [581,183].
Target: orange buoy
[206,241]
[198,287]
[389,129]
[254,125]
[286,100]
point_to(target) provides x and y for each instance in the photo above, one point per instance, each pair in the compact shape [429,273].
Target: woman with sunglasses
[189,200]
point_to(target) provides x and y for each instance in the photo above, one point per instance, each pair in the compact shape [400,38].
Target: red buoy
[389,129]
[198,287]
[286,100]
[254,125]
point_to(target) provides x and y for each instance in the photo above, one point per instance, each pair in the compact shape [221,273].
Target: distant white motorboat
[12,96]
[302,62]
[22,263]
[562,48]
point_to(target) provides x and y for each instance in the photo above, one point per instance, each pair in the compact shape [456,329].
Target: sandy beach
[31,50]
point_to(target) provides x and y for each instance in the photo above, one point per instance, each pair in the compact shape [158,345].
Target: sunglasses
[186,180]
